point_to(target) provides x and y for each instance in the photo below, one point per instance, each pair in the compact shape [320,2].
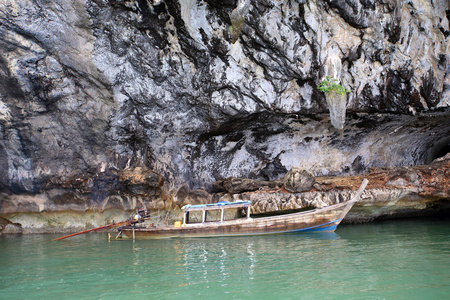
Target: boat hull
[318,220]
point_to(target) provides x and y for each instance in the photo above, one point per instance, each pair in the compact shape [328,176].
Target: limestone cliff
[112,103]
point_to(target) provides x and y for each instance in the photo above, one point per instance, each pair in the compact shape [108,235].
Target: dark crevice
[439,150]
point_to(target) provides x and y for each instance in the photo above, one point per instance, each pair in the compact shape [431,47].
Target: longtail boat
[321,219]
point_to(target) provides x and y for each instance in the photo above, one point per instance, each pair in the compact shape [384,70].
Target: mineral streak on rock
[95,94]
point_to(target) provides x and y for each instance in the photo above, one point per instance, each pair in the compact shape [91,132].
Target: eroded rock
[8,227]
[391,192]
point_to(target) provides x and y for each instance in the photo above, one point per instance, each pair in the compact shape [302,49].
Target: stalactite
[336,102]
[337,105]
[237,19]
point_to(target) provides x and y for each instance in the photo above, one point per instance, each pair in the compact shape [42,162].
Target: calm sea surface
[402,259]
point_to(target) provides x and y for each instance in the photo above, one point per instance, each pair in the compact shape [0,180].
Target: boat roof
[218,205]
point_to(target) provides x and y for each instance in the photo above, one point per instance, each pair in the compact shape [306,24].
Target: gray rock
[298,180]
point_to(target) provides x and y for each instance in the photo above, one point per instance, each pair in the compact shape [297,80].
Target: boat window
[214,215]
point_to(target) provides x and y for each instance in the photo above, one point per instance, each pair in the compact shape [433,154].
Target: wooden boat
[323,219]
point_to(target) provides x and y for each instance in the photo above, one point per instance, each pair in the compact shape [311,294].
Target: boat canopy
[221,206]
[215,206]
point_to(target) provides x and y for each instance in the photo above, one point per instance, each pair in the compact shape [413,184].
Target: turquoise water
[403,259]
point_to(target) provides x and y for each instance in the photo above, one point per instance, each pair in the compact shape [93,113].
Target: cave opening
[440,150]
[443,151]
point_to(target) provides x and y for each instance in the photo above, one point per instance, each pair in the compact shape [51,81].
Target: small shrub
[331,85]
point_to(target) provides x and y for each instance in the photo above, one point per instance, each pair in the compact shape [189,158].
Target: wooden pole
[127,222]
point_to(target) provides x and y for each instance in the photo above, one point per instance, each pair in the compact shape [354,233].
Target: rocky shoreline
[391,193]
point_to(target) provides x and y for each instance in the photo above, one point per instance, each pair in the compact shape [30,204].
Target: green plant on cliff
[331,85]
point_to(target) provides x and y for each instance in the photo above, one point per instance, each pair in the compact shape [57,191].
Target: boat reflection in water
[205,262]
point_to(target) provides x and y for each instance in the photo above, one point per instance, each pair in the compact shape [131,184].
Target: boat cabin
[219,206]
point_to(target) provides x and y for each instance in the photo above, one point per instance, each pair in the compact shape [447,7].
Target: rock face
[115,103]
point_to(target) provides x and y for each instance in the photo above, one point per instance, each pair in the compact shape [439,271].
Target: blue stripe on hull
[322,227]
